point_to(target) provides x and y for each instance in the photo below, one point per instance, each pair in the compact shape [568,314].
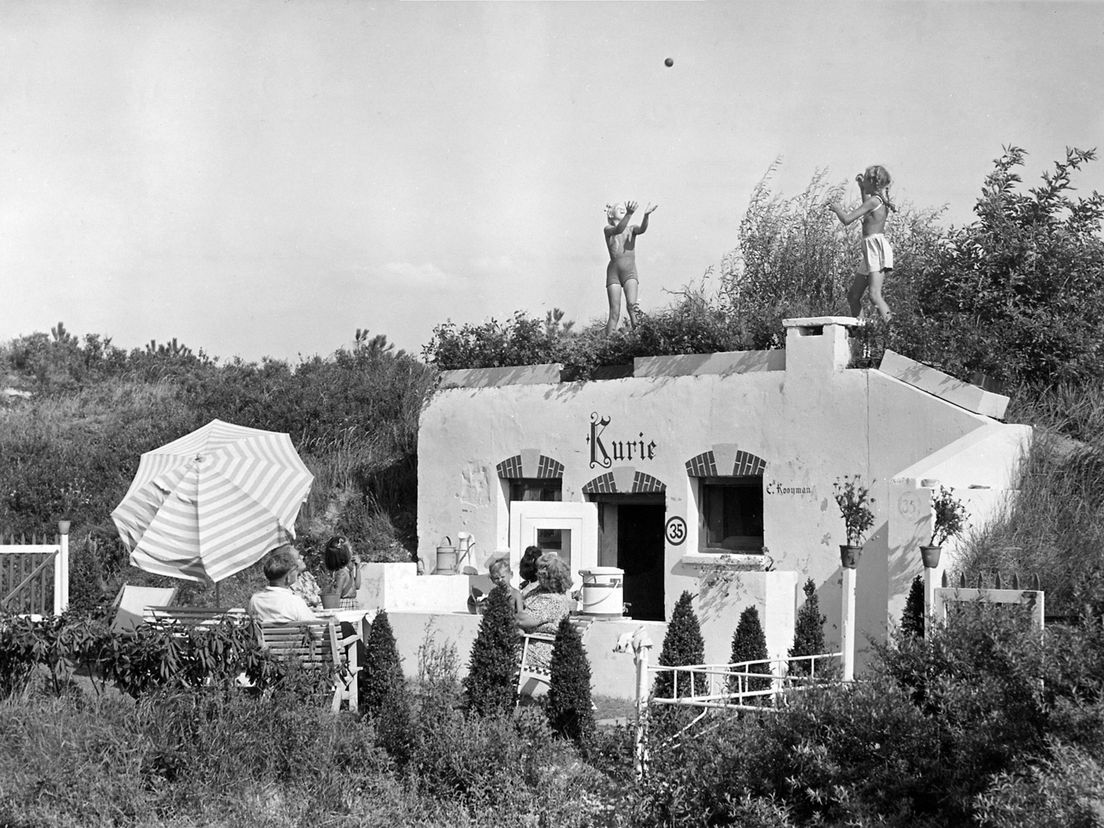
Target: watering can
[450,557]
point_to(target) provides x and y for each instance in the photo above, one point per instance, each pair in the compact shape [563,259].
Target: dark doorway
[640,554]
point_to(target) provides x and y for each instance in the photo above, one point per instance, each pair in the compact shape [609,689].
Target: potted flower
[854,501]
[948,521]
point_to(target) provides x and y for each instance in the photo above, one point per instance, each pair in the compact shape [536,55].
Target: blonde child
[621,270]
[877,255]
[500,573]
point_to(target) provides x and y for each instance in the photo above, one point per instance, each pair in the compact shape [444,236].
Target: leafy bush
[137,661]
[1019,293]
[569,708]
[984,715]
[692,325]
[146,658]
[492,669]
[750,644]
[1063,791]
[521,341]
[789,261]
[682,645]
[808,630]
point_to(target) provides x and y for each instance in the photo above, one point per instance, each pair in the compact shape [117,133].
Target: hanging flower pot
[849,555]
[930,556]
[854,501]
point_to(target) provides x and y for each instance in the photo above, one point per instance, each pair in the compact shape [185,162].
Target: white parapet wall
[612,674]
[399,587]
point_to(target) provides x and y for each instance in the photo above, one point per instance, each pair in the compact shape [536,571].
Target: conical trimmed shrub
[912,619]
[382,676]
[750,644]
[383,689]
[492,668]
[569,709]
[682,645]
[808,630]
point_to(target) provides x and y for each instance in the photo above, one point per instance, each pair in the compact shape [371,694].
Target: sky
[262,179]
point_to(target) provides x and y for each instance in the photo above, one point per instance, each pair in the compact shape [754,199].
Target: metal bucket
[603,591]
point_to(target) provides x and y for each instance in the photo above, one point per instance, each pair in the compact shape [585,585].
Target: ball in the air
[669,62]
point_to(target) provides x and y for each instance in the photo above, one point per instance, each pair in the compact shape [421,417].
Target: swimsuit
[621,269]
[622,265]
[877,254]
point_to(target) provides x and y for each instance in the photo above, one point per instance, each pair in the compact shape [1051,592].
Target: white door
[571,529]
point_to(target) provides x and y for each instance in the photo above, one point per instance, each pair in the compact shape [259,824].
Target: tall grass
[1053,526]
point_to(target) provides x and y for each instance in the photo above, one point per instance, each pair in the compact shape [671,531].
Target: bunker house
[710,473]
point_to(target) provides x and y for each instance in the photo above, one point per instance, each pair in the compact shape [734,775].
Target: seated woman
[546,607]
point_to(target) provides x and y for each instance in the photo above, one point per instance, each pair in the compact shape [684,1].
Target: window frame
[705,485]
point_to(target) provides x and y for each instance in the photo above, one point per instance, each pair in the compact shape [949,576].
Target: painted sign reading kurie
[604,450]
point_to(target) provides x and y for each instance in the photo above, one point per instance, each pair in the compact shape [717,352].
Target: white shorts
[877,254]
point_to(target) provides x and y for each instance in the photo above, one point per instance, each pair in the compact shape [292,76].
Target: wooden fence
[34,577]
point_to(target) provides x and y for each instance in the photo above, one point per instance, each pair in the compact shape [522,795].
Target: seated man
[277,602]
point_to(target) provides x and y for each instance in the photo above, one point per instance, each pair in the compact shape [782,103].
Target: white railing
[729,685]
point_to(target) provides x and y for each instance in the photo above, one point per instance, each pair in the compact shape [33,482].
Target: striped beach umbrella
[212,502]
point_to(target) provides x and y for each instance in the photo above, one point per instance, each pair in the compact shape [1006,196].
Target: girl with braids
[877,255]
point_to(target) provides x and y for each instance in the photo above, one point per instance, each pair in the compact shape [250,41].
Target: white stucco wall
[812,422]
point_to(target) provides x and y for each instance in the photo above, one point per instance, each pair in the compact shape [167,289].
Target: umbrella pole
[218,599]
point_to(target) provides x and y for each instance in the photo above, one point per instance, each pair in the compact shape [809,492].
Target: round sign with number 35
[675,530]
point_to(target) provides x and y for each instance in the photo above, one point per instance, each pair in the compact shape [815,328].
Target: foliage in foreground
[214,755]
[987,722]
[491,681]
[682,645]
[750,644]
[912,618]
[808,629]
[569,706]
[957,730]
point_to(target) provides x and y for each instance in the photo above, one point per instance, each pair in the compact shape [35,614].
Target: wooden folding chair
[532,676]
[317,645]
[132,601]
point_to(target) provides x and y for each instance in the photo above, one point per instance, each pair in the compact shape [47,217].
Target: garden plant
[854,502]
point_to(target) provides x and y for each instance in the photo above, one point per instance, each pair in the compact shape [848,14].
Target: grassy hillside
[71,449]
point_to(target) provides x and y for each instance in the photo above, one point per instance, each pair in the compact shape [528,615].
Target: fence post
[642,646]
[847,626]
[61,570]
[929,598]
